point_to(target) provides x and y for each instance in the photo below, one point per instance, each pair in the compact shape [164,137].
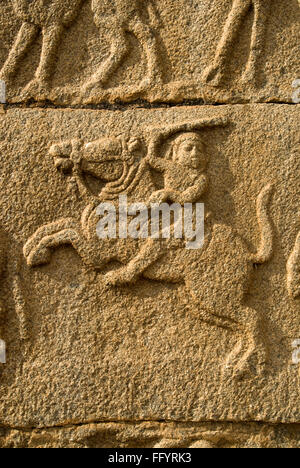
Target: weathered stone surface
[195,335]
[82,52]
[156,435]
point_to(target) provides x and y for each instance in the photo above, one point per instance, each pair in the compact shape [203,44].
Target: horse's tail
[265,250]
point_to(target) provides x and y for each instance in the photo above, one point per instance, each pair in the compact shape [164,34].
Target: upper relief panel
[75,52]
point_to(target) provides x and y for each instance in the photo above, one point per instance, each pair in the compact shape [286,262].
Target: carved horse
[216,72]
[134,17]
[216,276]
[50,17]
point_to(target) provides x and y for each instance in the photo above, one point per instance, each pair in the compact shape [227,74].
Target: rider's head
[189,150]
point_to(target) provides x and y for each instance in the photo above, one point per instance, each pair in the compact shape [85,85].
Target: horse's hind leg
[293,271]
[146,36]
[25,38]
[118,52]
[51,40]
[215,73]
[250,355]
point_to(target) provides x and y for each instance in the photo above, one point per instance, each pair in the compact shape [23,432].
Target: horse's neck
[137,185]
[142,187]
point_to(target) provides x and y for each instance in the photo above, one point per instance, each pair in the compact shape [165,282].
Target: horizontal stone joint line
[138,104]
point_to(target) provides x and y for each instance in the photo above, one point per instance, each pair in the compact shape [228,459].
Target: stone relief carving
[222,269]
[155,435]
[48,18]
[138,18]
[293,270]
[215,73]
[135,17]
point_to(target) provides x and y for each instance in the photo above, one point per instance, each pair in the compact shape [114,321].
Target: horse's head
[109,159]
[108,162]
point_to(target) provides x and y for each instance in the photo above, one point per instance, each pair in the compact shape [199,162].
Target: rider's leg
[151,251]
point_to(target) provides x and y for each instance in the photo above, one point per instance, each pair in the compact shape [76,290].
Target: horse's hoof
[250,365]
[249,78]
[36,89]
[213,76]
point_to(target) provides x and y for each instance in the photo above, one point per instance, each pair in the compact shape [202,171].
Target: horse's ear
[63,149]
[61,153]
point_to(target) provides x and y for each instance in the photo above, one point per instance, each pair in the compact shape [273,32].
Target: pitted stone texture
[99,51]
[155,435]
[195,335]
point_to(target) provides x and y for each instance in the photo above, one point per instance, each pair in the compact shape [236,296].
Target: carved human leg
[215,73]
[51,40]
[149,254]
[24,40]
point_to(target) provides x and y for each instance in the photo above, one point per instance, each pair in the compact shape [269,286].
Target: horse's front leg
[146,36]
[216,72]
[261,11]
[24,40]
[41,255]
[37,249]
[118,52]
[51,39]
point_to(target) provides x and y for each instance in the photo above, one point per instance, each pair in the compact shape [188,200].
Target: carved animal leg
[146,37]
[216,72]
[25,38]
[205,312]
[41,254]
[257,42]
[51,40]
[119,50]
[250,356]
[293,271]
[45,231]
[148,255]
